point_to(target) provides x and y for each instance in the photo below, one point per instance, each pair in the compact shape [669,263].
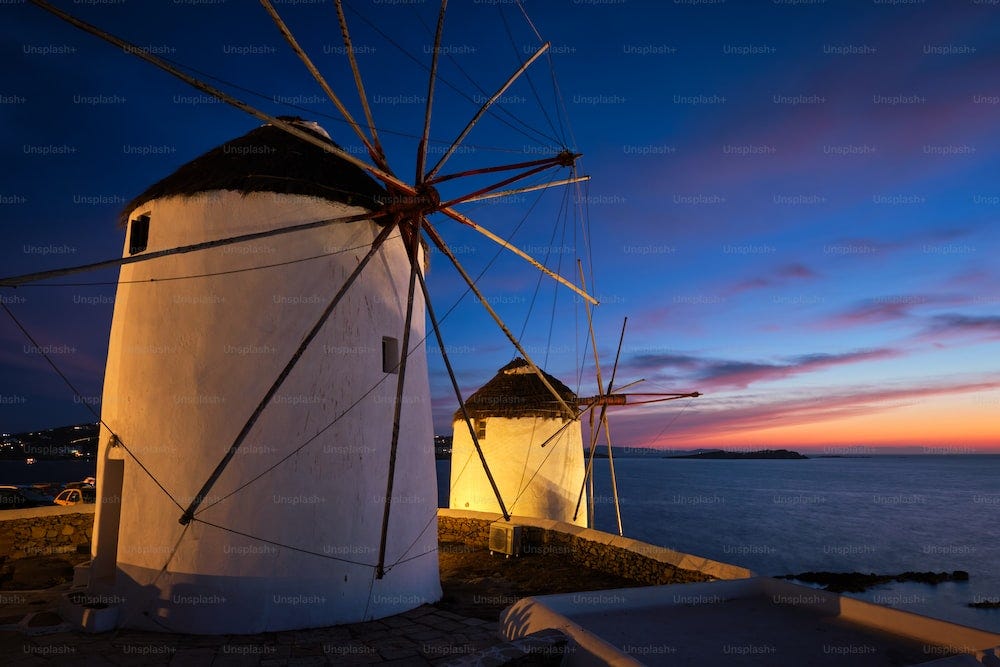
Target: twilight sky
[794,203]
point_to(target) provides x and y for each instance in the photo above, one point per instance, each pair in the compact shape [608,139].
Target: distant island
[761,454]
[985,604]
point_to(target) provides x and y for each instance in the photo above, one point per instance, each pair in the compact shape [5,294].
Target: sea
[880,514]
[57,471]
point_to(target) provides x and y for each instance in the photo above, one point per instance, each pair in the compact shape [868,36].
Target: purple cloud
[776,278]
[736,374]
[957,325]
[888,308]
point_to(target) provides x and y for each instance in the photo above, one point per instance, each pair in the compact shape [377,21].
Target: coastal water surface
[883,514]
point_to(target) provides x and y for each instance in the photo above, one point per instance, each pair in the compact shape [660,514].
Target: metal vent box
[505,539]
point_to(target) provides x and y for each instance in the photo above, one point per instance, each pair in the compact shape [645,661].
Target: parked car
[40,494]
[87,482]
[76,496]
[14,498]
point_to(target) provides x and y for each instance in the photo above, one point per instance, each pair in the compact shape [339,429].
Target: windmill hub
[413,206]
[566,158]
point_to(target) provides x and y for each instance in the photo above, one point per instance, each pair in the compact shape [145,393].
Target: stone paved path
[423,636]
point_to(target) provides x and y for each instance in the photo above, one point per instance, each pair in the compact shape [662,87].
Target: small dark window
[390,355]
[138,237]
[481,429]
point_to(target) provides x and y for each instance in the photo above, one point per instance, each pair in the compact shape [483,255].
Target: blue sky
[795,204]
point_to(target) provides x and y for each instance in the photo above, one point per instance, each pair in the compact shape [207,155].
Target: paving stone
[354,659]
[397,622]
[366,625]
[422,610]
[193,657]
[408,661]
[325,635]
[307,661]
[449,646]
[303,649]
[350,650]
[375,636]
[430,634]
[92,659]
[445,624]
[474,621]
[395,653]
[450,615]
[235,660]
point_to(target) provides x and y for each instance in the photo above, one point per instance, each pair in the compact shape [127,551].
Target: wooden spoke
[667,397]
[614,479]
[360,85]
[529,188]
[144,54]
[630,384]
[443,247]
[375,153]
[422,148]
[413,244]
[618,354]
[564,158]
[588,480]
[588,407]
[475,119]
[607,428]
[248,426]
[465,220]
[14,281]
[594,428]
[499,184]
[458,395]
[590,467]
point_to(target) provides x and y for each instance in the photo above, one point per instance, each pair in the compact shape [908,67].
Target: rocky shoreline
[857,582]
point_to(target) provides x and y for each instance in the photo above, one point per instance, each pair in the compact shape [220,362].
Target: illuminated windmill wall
[533,451]
[189,359]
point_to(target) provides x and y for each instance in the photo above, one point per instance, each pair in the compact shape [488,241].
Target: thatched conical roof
[515,391]
[268,159]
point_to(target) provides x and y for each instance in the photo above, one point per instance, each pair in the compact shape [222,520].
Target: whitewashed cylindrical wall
[188,361]
[534,481]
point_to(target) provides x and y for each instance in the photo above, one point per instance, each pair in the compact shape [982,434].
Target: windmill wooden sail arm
[623,399]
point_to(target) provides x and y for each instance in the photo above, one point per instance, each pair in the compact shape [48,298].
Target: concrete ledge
[646,563]
[715,620]
[530,616]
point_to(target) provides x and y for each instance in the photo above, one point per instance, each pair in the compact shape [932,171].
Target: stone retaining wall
[474,531]
[45,530]
[48,530]
[639,561]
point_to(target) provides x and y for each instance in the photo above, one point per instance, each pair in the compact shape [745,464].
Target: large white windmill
[266,456]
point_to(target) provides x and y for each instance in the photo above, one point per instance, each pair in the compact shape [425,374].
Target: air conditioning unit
[505,539]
